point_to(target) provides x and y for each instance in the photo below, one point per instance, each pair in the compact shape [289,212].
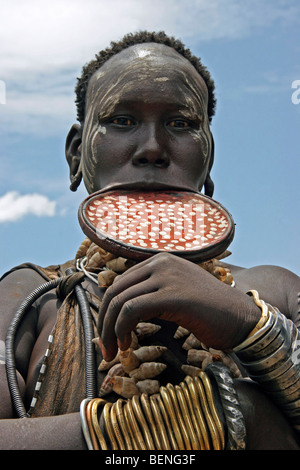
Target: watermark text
[2,92]
[296,94]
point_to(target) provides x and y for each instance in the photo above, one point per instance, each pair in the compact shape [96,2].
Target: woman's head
[139,38]
[144,122]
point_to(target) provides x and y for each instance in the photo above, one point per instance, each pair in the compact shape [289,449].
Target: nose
[151,149]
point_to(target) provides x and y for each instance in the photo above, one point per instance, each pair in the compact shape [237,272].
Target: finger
[125,281]
[136,310]
[137,273]
[117,303]
[148,263]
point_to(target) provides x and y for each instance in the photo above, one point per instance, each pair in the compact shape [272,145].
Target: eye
[122,121]
[179,123]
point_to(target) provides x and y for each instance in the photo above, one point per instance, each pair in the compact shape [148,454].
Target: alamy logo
[296,93]
[2,92]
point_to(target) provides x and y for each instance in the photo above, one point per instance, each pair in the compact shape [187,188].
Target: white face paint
[141,53]
[102,129]
[161,79]
[131,73]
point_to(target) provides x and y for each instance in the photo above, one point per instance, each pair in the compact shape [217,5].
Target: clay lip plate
[137,224]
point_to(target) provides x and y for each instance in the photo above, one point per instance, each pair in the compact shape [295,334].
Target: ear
[73,155]
[209,184]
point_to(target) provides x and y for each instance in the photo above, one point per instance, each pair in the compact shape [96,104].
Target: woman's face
[146,123]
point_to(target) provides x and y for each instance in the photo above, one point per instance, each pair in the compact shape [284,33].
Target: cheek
[202,138]
[97,141]
[91,148]
[203,144]
[197,151]
[197,156]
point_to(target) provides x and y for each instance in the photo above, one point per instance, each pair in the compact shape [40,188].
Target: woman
[144,110]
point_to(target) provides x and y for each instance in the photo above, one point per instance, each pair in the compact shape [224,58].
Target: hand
[176,290]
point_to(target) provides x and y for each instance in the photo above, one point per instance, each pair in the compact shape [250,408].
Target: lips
[145,186]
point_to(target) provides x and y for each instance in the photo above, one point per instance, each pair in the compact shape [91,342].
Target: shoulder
[266,272]
[276,285]
[18,283]
[22,278]
[47,273]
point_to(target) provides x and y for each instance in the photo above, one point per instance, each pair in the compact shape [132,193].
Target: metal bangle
[179,407]
[116,428]
[197,425]
[289,395]
[95,406]
[272,365]
[265,343]
[195,443]
[211,404]
[236,427]
[264,312]
[84,424]
[251,340]
[171,412]
[108,426]
[182,426]
[292,409]
[88,413]
[278,372]
[197,407]
[143,423]
[278,334]
[169,428]
[279,362]
[123,424]
[210,422]
[150,419]
[129,427]
[134,427]
[283,382]
[160,423]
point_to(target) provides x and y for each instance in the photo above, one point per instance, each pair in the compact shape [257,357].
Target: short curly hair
[131,40]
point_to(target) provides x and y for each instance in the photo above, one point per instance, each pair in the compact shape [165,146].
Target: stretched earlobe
[73,156]
[76,180]
[209,184]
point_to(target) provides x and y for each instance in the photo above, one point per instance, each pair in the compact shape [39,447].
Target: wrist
[257,318]
[264,312]
[243,315]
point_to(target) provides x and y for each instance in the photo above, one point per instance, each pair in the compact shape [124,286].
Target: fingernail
[103,349]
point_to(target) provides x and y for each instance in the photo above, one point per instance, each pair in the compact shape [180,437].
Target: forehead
[148,62]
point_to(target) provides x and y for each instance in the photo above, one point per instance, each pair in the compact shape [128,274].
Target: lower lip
[147,185]
[166,220]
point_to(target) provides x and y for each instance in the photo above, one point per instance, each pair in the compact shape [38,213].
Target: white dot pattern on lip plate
[169,221]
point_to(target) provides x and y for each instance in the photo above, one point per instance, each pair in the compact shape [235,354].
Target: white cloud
[38,35]
[14,206]
[37,113]
[44,44]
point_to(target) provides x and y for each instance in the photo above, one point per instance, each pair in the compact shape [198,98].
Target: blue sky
[251,47]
